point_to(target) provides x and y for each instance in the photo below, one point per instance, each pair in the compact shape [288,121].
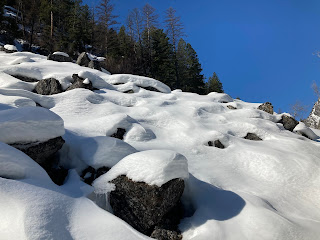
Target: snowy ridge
[266,189]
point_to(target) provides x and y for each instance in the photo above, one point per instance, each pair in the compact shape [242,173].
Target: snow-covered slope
[265,189]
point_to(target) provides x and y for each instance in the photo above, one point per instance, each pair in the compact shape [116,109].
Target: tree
[214,84]
[298,109]
[174,29]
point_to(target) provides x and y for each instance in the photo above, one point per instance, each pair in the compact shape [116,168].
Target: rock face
[59,58]
[252,136]
[41,152]
[144,206]
[267,107]
[314,117]
[78,83]
[288,122]
[83,60]
[48,86]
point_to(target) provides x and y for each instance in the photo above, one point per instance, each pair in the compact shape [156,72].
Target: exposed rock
[129,91]
[57,174]
[41,152]
[314,117]
[144,206]
[216,144]
[164,234]
[25,79]
[119,134]
[59,58]
[94,65]
[267,107]
[90,174]
[149,88]
[78,83]
[288,122]
[231,107]
[252,136]
[48,86]
[83,60]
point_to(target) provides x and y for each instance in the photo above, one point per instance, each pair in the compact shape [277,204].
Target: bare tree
[315,89]
[298,109]
[106,19]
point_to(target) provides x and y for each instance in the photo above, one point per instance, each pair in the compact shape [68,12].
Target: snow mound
[16,101]
[29,124]
[21,60]
[302,129]
[103,151]
[14,164]
[10,47]
[61,54]
[154,167]
[97,81]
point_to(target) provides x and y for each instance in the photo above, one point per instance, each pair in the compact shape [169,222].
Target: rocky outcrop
[288,122]
[267,107]
[143,206]
[119,133]
[252,136]
[48,86]
[83,60]
[41,152]
[59,58]
[314,117]
[79,82]
[216,144]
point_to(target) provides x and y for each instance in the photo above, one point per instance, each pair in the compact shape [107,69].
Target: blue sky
[262,50]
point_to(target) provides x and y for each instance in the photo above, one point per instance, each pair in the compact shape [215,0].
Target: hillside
[123,140]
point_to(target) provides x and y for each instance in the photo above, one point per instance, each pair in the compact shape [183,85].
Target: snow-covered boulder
[288,122]
[10,48]
[48,86]
[59,57]
[303,130]
[148,186]
[267,107]
[79,82]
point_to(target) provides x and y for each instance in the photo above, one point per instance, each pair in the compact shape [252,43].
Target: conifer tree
[214,84]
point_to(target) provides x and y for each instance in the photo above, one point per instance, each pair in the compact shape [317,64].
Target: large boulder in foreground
[148,187]
[267,107]
[288,122]
[48,86]
[59,57]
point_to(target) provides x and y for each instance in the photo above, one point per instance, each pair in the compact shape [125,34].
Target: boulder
[90,174]
[145,206]
[216,143]
[59,57]
[10,48]
[267,107]
[94,65]
[119,134]
[41,152]
[79,82]
[288,122]
[48,86]
[252,136]
[83,60]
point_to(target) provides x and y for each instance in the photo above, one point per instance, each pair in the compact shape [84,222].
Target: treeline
[142,45]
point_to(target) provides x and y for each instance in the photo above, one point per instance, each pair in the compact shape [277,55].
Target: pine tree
[214,84]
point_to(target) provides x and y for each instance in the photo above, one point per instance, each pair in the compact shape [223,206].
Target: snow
[302,129]
[10,47]
[29,124]
[61,54]
[155,167]
[265,189]
[95,58]
[86,81]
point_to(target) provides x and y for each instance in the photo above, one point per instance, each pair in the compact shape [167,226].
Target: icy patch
[154,167]
[29,124]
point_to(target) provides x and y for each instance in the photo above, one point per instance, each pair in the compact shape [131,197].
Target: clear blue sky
[262,50]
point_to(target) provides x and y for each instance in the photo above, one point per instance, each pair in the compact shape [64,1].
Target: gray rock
[59,58]
[288,122]
[48,86]
[83,60]
[144,206]
[164,234]
[94,65]
[78,83]
[90,174]
[267,107]
[252,136]
[41,152]
[231,107]
[216,144]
